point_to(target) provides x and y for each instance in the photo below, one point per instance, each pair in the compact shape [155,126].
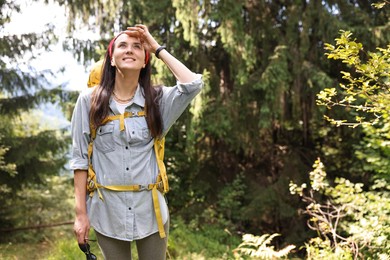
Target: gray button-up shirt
[125,158]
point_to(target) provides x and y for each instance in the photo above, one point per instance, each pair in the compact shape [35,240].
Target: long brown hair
[101,97]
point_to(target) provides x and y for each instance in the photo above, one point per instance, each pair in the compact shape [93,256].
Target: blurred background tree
[30,151]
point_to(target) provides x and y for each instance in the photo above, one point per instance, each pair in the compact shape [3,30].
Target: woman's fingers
[81,229]
[82,237]
[134,33]
[139,27]
[141,31]
[138,33]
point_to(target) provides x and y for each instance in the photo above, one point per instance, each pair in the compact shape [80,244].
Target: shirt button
[129,208]
[127,147]
[133,132]
[127,168]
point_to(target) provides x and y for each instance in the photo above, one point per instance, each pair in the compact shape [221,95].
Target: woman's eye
[137,46]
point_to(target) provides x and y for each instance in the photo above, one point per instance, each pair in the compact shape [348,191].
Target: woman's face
[128,53]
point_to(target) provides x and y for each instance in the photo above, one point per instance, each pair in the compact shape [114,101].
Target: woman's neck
[125,85]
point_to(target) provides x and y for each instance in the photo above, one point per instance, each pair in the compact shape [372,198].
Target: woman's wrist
[81,215]
[158,50]
[154,46]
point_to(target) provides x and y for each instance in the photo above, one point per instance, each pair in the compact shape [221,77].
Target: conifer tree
[28,153]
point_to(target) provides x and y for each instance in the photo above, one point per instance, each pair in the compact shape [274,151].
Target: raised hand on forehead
[141,31]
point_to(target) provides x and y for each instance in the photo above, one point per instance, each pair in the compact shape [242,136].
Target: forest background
[238,156]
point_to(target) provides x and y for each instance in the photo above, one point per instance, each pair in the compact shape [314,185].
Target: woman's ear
[112,63]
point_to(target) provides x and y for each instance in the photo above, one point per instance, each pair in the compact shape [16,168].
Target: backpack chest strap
[121,119]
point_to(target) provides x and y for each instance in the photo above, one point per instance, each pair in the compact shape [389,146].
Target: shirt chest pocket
[139,136]
[104,141]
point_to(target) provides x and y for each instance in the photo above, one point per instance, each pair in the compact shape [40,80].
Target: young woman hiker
[118,130]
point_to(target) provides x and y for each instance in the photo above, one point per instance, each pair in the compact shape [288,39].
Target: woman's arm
[181,72]
[81,223]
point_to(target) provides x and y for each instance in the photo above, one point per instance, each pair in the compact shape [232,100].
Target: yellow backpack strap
[91,178]
[159,147]
[122,117]
[157,211]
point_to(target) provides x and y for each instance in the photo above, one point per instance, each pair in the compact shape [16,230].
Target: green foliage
[318,248]
[66,248]
[11,251]
[45,153]
[38,205]
[188,18]
[60,244]
[374,150]
[258,247]
[204,242]
[366,91]
[185,242]
[29,150]
[350,222]
[364,96]
[34,152]
[230,200]
[226,212]
[380,5]
[7,168]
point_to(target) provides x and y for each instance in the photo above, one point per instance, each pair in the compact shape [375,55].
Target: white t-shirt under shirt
[122,106]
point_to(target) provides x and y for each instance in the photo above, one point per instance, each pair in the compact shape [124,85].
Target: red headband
[111,45]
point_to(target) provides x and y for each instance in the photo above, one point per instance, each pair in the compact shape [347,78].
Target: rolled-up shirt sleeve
[80,132]
[176,99]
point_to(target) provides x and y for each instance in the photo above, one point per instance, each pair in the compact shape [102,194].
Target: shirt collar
[139,98]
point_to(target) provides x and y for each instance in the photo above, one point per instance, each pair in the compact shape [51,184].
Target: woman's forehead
[126,38]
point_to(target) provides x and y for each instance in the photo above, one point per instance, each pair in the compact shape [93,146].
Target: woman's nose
[129,49]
